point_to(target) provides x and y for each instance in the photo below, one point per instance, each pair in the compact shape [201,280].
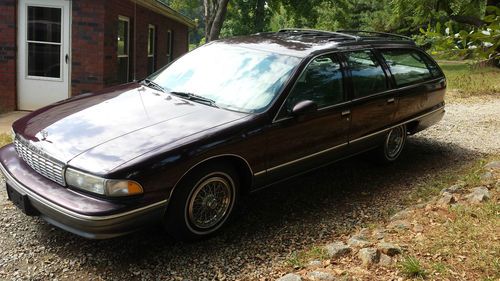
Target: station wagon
[182,146]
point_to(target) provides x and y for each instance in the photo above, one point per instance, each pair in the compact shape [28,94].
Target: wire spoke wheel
[210,202]
[394,142]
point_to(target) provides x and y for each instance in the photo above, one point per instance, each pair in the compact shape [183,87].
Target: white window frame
[153,54]
[127,55]
[60,44]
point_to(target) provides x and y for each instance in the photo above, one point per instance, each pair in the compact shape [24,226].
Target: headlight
[100,185]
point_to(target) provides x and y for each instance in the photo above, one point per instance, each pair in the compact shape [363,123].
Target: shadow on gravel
[313,208]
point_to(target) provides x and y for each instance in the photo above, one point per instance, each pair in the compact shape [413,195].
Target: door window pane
[44,60]
[151,49]
[123,49]
[44,24]
[368,77]
[407,66]
[122,37]
[321,82]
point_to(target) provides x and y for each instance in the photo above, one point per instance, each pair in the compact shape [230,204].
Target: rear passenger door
[373,104]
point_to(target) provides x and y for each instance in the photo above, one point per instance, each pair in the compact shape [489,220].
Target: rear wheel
[203,202]
[393,145]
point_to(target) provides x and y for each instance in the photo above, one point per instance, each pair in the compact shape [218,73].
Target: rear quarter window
[409,66]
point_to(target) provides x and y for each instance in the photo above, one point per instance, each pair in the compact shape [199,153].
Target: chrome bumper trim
[96,227]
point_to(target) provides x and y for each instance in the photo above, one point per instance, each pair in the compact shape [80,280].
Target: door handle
[391,100]
[345,113]
[66,58]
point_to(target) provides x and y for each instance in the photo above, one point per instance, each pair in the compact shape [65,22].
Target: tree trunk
[215,13]
[259,15]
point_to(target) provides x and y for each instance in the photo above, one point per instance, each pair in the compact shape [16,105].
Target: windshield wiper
[195,97]
[149,83]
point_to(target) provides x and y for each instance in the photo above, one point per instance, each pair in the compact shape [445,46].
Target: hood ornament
[44,134]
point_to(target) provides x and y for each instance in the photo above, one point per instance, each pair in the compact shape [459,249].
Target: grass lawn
[465,81]
[5,139]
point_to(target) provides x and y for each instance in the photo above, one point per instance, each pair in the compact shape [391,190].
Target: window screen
[368,77]
[407,66]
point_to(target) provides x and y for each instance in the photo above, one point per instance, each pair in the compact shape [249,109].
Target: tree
[215,13]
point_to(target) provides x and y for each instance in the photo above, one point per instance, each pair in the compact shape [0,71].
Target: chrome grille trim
[44,165]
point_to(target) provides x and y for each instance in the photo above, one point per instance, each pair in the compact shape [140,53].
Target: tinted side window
[407,66]
[320,82]
[368,77]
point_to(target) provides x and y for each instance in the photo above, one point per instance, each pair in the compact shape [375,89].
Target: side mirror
[304,107]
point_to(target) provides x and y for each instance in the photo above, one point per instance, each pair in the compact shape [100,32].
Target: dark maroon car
[226,119]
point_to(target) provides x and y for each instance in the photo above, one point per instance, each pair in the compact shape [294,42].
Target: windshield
[232,77]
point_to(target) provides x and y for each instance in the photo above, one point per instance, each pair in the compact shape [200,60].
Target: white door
[43,52]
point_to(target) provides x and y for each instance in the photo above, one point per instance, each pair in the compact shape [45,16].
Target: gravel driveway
[308,210]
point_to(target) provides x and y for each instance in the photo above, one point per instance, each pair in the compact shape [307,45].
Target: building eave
[161,8]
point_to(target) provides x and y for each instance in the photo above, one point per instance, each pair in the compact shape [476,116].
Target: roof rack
[375,34]
[346,35]
[319,33]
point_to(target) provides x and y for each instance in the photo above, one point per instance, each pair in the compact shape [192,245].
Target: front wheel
[393,145]
[202,203]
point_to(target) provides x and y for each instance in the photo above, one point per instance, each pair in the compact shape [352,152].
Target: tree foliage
[466,27]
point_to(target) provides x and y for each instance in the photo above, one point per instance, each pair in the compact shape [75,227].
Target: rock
[418,228]
[378,233]
[401,215]
[364,233]
[389,248]
[453,189]
[369,256]
[487,178]
[399,224]
[385,260]
[446,199]
[494,165]
[314,264]
[337,249]
[290,277]
[358,242]
[478,195]
[320,276]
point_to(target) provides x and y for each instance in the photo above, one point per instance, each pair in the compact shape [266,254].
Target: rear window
[409,66]
[367,75]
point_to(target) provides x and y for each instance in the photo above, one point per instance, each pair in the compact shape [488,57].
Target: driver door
[300,143]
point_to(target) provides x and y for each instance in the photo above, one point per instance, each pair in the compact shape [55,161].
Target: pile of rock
[369,247]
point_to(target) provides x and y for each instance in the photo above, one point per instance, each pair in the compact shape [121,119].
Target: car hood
[102,131]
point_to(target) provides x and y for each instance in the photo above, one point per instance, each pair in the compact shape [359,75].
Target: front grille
[45,166]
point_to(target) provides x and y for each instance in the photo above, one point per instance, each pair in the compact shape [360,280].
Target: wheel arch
[411,127]
[240,164]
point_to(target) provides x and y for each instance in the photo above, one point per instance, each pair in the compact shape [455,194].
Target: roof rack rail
[381,34]
[347,36]
[319,32]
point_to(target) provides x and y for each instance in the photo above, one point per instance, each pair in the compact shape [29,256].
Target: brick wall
[140,19]
[93,41]
[87,46]
[8,47]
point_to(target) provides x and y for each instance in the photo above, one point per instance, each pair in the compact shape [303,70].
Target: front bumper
[72,211]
